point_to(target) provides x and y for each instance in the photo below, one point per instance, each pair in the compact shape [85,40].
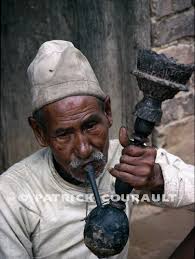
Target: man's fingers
[130,160]
[134,170]
[132,150]
[136,151]
[134,181]
[137,161]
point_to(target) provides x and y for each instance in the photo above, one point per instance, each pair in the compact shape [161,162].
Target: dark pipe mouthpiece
[91,178]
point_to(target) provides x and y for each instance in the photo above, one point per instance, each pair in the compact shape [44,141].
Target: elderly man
[41,197]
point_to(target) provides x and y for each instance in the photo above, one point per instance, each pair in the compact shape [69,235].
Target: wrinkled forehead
[72,106]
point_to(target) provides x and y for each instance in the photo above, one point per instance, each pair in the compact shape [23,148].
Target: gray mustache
[95,156]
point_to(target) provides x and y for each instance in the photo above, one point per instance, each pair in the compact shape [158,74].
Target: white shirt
[42,215]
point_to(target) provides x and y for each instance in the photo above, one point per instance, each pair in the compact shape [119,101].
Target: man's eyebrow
[93,117]
[63,130]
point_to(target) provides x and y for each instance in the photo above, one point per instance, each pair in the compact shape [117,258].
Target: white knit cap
[60,70]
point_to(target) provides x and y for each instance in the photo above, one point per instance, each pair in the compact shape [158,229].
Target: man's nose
[83,146]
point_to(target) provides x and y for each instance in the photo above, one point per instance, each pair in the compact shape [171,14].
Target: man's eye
[63,135]
[91,125]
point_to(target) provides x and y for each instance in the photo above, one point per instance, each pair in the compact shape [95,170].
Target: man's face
[77,133]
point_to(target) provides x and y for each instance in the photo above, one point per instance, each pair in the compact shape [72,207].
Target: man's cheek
[101,142]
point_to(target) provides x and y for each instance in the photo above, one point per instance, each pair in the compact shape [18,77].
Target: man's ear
[107,110]
[38,132]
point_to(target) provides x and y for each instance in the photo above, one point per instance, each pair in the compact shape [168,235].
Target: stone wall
[172,33]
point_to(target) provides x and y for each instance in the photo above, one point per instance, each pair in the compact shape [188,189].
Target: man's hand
[137,166]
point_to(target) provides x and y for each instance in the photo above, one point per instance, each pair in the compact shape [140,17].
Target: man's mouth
[76,166]
[80,173]
[96,164]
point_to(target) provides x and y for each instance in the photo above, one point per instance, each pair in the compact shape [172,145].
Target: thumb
[123,137]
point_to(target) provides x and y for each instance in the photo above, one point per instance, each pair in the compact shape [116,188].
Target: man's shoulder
[23,169]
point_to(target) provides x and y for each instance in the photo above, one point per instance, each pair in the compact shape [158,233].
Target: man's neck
[67,177]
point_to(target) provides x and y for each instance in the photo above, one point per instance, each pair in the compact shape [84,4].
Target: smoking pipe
[160,78]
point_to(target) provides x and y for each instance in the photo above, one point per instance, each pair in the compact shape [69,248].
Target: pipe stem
[91,178]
